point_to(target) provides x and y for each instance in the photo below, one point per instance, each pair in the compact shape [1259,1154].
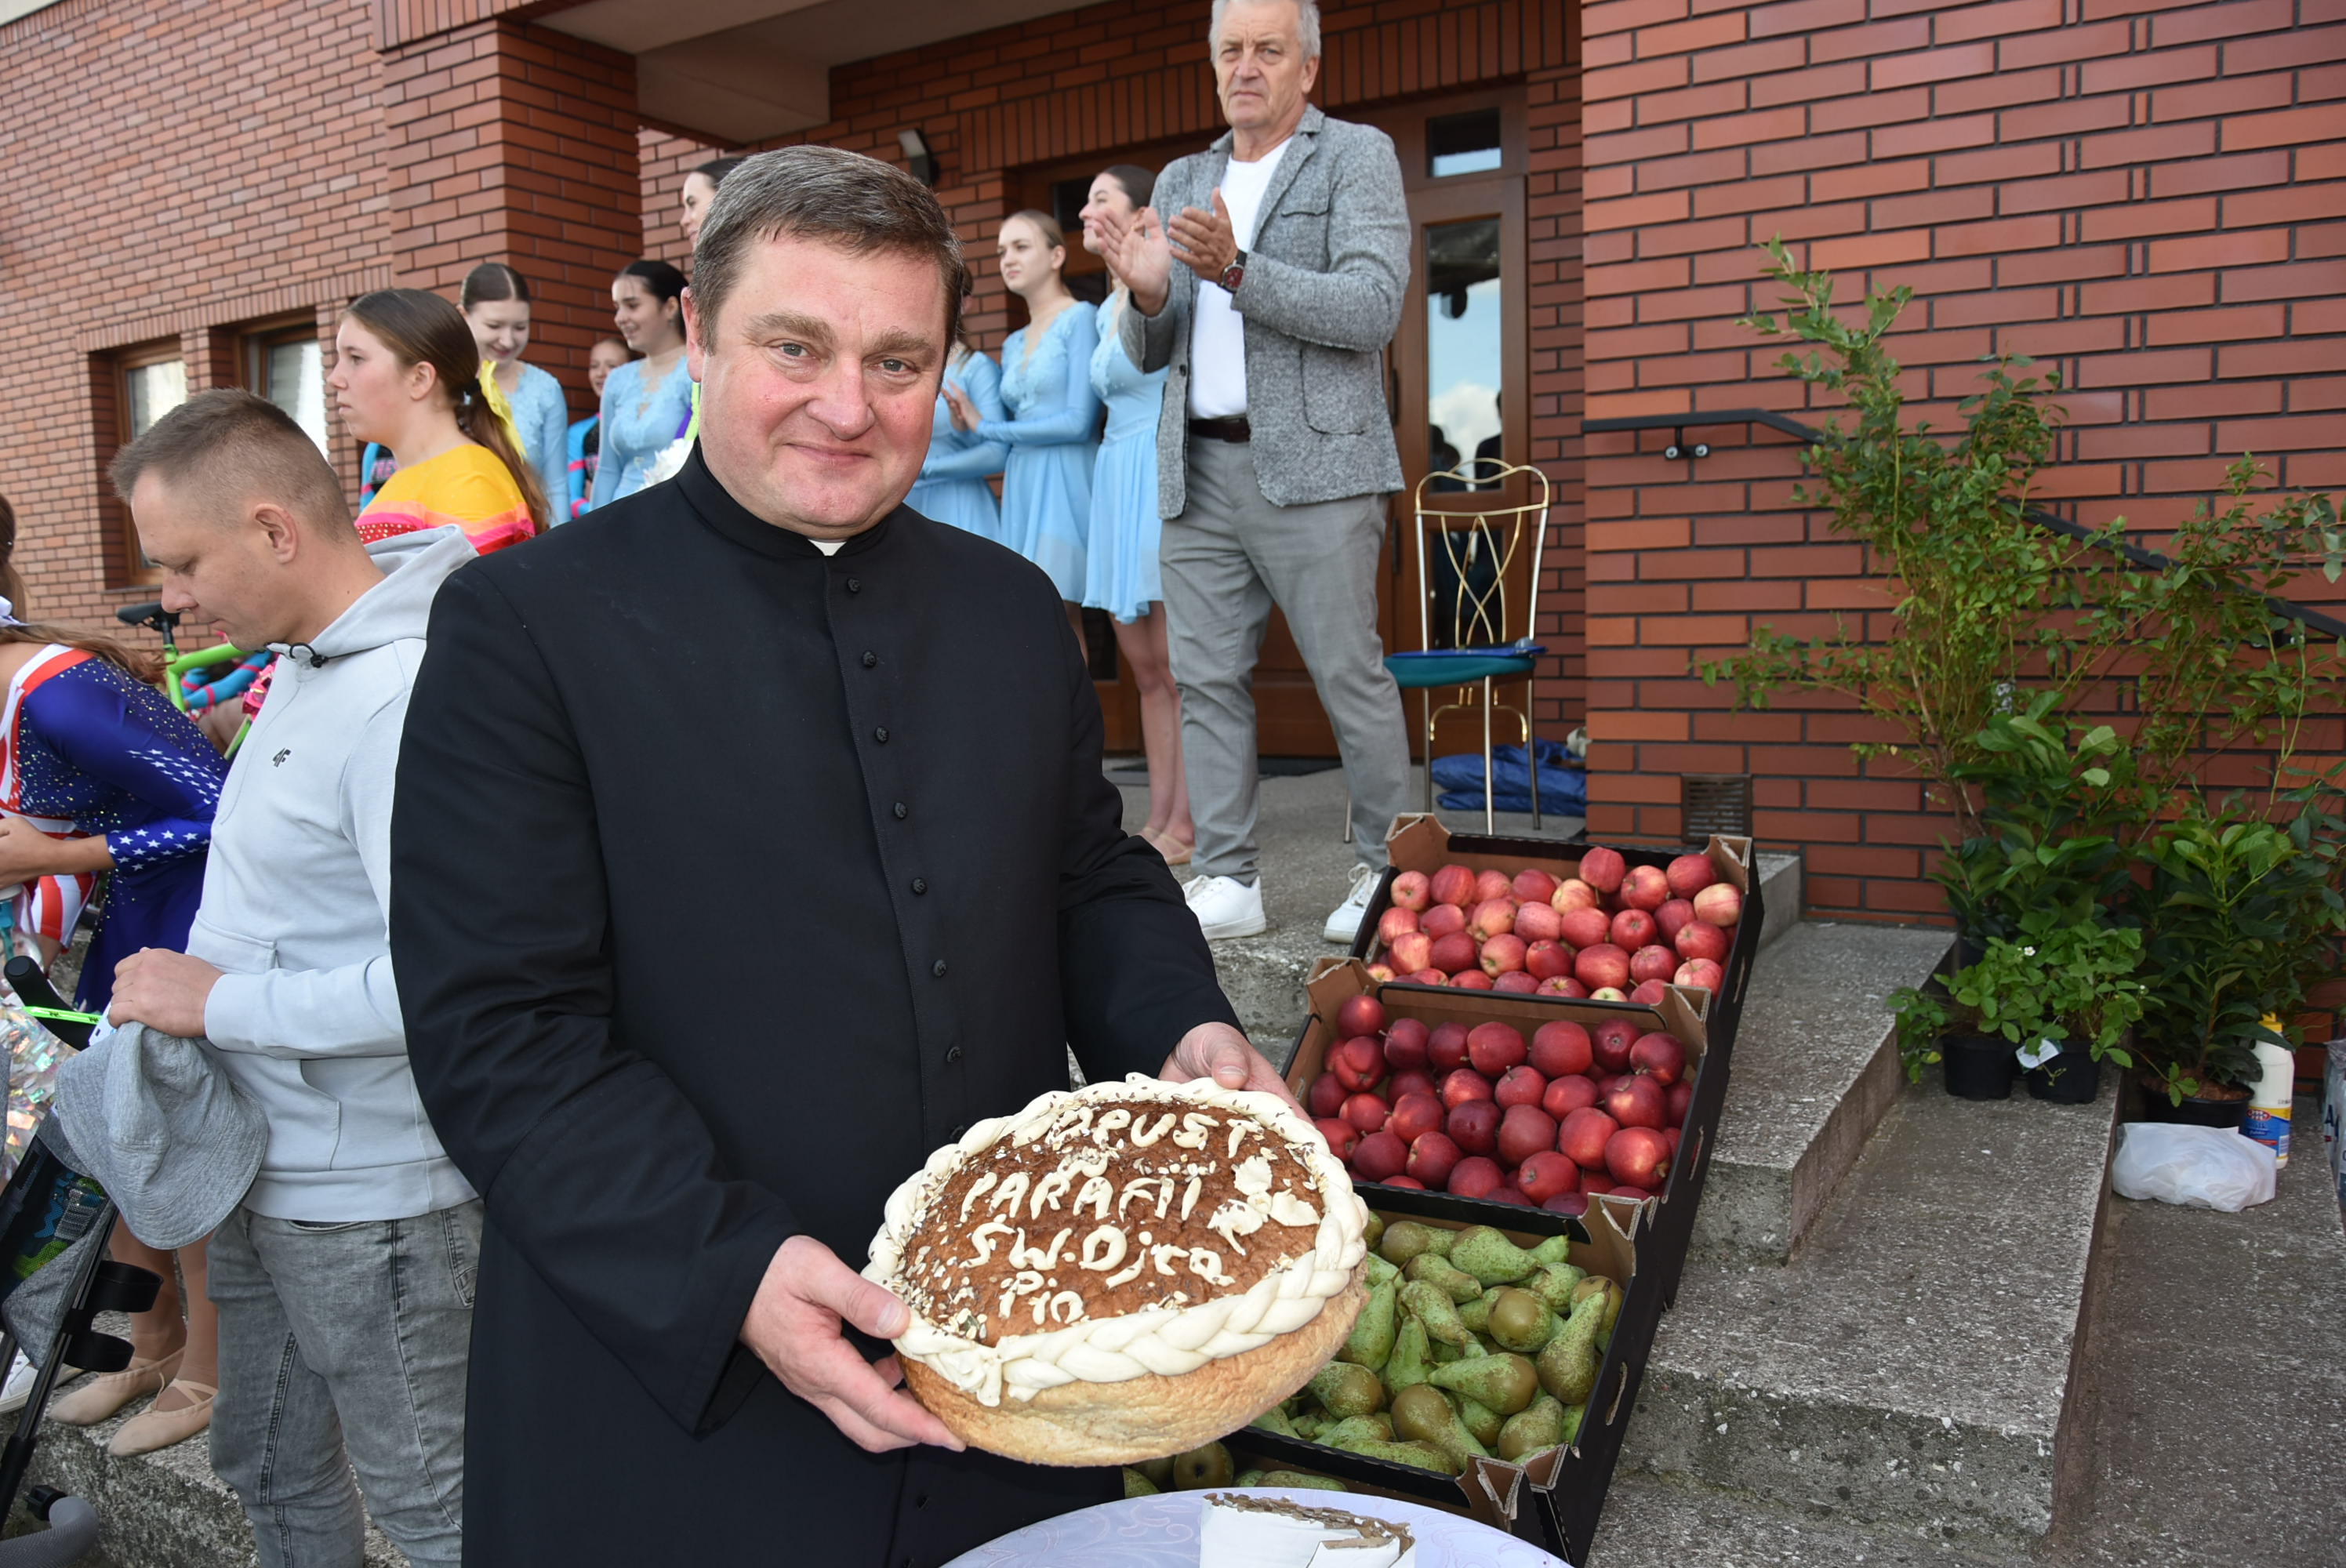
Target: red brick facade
[2147,196]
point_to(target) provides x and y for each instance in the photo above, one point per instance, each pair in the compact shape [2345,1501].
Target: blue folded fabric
[1563,781]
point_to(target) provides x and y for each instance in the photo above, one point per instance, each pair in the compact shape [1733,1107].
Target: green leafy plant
[2058,980]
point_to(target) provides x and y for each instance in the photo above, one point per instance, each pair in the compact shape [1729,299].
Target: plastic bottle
[2268,1102]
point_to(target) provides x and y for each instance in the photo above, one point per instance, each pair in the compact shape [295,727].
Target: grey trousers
[1227,560]
[345,1337]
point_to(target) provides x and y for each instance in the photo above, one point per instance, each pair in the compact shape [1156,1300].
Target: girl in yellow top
[407,374]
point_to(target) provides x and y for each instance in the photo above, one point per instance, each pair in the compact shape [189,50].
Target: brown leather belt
[1222,429]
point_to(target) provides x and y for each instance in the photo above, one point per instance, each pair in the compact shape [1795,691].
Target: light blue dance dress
[541,415]
[952,487]
[1046,484]
[640,423]
[1120,573]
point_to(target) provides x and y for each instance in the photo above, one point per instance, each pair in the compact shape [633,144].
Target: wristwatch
[1234,274]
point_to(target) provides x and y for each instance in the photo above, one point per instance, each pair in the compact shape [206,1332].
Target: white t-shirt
[1218,388]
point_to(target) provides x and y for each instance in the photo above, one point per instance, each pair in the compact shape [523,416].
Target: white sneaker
[1344,923]
[19,1387]
[1226,906]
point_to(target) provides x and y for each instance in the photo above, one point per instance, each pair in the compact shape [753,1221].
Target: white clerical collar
[827,547]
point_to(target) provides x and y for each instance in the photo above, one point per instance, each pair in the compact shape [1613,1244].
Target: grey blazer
[1320,299]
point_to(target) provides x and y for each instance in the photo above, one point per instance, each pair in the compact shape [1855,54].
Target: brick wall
[223,166]
[2147,196]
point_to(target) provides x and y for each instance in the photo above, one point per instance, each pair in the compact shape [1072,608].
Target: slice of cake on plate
[1238,1530]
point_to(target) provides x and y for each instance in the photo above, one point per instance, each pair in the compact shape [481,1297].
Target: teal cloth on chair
[1459,666]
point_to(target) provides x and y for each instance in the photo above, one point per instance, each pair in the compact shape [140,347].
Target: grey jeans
[1227,560]
[336,1337]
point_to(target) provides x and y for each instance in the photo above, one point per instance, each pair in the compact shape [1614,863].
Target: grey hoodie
[297,893]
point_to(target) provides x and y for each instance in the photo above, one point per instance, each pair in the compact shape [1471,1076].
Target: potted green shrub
[2061,995]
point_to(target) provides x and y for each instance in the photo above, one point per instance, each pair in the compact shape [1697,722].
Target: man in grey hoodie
[344,1279]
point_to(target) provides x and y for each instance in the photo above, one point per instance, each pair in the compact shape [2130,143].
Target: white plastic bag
[2199,1168]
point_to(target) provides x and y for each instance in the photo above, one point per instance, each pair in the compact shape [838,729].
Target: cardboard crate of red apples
[1593,923]
[1556,1498]
[1506,1102]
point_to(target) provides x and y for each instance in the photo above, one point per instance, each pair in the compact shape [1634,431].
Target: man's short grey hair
[859,204]
[1307,21]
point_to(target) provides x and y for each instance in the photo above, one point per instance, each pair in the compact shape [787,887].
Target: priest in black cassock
[752,842]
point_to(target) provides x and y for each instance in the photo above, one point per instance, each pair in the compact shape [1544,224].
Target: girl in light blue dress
[1046,384]
[952,487]
[495,302]
[1121,573]
[646,403]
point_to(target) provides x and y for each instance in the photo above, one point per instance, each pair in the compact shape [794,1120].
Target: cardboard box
[1556,1500]
[1420,843]
[1669,1215]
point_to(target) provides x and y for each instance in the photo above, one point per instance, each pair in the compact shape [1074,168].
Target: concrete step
[1911,1365]
[1815,1069]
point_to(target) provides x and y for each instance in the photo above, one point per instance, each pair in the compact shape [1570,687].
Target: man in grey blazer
[1271,293]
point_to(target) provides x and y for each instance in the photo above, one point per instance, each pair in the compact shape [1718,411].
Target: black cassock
[728,881]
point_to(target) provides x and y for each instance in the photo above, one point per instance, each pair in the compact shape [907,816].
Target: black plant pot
[2072,1078]
[1968,950]
[2194,1111]
[1979,1066]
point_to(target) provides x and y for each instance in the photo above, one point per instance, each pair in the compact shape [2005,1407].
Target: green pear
[1555,1250]
[1539,1426]
[1249,1478]
[1157,1471]
[1359,1428]
[1370,1342]
[1555,1284]
[1417,1455]
[1476,1314]
[1297,1479]
[1490,1257]
[1445,1354]
[1376,1271]
[1520,1321]
[1311,1424]
[1422,1415]
[1432,1306]
[1407,1367]
[1374,1231]
[1274,1420]
[1568,1363]
[1571,1419]
[1506,1381]
[1136,1484]
[1202,1467]
[1479,1419]
[1597,1285]
[1406,1239]
[1344,1389]
[1455,1283]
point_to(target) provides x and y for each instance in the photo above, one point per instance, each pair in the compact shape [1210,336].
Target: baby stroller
[45,1208]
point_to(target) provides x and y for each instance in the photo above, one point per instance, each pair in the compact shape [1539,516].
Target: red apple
[1470,980]
[1342,1138]
[1533,886]
[1520,1084]
[1410,1081]
[1703,974]
[1396,921]
[1411,1182]
[1595,1184]
[1634,929]
[1583,1133]
[1689,874]
[1571,1092]
[1477,1176]
[1671,1135]
[1445,1048]
[1414,1117]
[1571,894]
[1515,983]
[1453,885]
[1547,960]
[1412,890]
[1509,1194]
[1489,885]
[1406,1044]
[1428,976]
[1639,1157]
[1635,1101]
[1538,922]
[1326,1097]
[1474,1125]
[1659,1057]
[1494,1047]
[1442,920]
[1610,1042]
[1433,1157]
[1644,888]
[1649,992]
[1491,917]
[1720,905]
[1674,1105]
[1545,1173]
[1454,953]
[1571,1203]
[1652,962]
[1602,965]
[1503,953]
[1608,994]
[1358,1062]
[1560,1047]
[1411,950]
[1361,1016]
[1523,1130]
[1635,1194]
[1563,985]
[1700,939]
[1585,927]
[1380,1155]
[1367,1112]
[1603,869]
[1465,1086]
[1672,916]
[1380,973]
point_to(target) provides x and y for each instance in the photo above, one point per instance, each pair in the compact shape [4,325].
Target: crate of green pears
[1469,1375]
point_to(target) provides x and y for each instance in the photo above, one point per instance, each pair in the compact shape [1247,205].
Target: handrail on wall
[2134,555]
